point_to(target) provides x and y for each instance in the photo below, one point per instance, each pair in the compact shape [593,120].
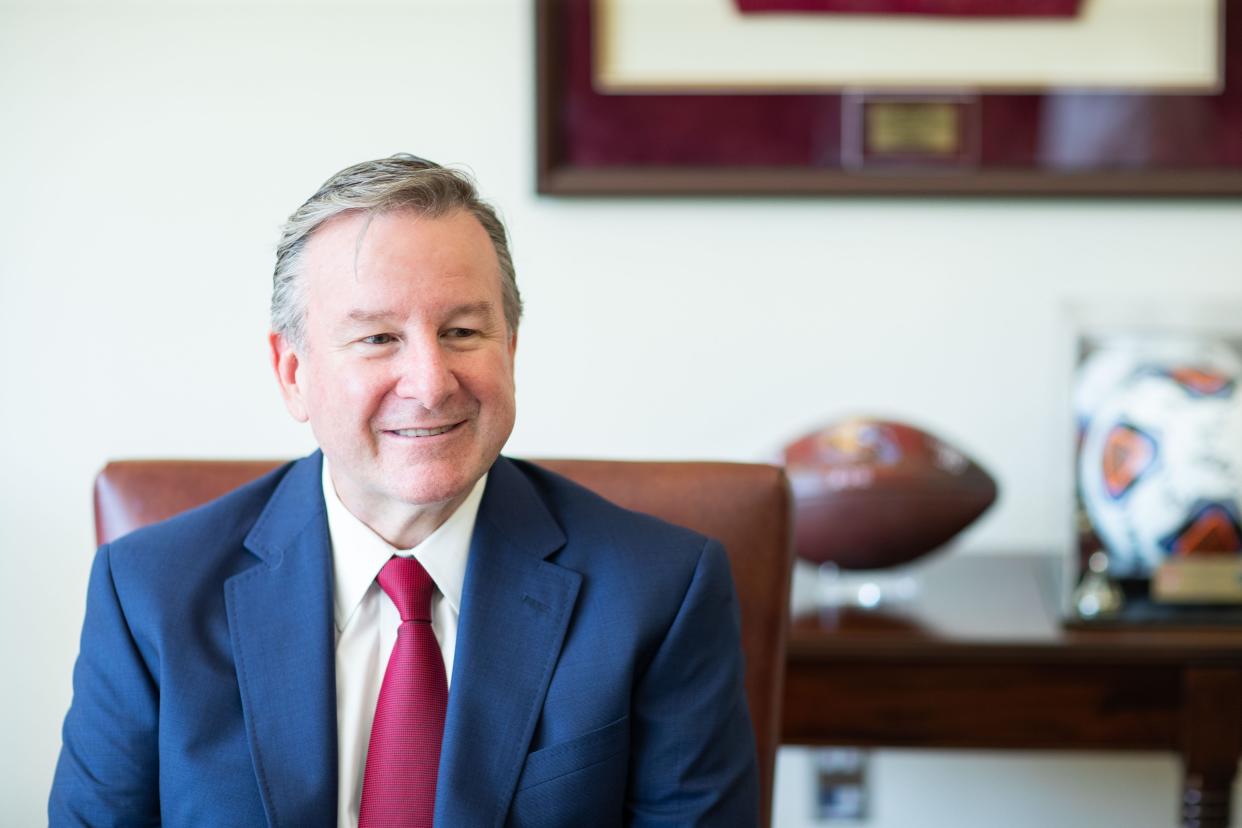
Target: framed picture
[804,97]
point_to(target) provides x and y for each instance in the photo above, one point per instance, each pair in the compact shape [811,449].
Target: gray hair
[401,182]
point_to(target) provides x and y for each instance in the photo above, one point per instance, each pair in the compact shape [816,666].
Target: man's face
[406,375]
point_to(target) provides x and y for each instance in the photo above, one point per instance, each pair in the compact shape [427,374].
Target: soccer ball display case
[1157,464]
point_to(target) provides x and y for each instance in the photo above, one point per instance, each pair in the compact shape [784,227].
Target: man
[406,624]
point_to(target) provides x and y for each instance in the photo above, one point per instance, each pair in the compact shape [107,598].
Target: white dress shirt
[367,621]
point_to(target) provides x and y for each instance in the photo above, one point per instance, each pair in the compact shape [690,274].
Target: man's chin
[431,490]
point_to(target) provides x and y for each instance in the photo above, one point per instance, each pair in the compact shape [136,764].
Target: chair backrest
[746,507]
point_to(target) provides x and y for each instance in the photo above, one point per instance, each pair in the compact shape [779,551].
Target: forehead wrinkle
[362,315]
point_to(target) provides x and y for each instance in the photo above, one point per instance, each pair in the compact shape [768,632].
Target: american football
[870,494]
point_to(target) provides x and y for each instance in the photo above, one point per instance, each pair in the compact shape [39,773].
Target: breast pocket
[577,754]
[575,783]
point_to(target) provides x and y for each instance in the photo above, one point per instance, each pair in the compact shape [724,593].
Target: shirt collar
[358,553]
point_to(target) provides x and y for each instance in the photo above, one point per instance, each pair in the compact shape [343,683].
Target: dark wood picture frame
[790,144]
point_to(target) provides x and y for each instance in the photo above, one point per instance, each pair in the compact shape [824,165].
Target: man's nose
[427,375]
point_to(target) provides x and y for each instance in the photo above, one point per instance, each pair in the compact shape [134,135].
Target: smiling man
[405,627]
[402,363]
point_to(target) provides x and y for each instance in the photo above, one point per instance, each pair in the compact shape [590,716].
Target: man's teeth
[422,432]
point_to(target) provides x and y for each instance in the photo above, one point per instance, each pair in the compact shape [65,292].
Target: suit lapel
[515,610]
[280,624]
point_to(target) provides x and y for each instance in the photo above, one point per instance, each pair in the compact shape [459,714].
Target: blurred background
[151,151]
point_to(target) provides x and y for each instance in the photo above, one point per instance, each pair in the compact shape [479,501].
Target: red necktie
[403,757]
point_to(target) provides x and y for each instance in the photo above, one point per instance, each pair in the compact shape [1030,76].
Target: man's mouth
[423,432]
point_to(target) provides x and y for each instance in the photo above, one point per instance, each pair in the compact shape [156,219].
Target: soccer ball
[1160,466]
[1118,358]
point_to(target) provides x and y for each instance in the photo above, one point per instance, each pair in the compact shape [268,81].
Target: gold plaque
[913,127]
[1199,579]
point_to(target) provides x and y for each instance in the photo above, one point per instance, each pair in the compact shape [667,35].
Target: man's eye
[378,339]
[460,333]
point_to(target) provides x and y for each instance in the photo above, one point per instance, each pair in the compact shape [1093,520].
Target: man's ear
[285,362]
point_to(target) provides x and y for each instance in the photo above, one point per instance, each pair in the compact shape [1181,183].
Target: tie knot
[409,586]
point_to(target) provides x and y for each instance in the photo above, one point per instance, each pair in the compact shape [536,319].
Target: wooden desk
[978,659]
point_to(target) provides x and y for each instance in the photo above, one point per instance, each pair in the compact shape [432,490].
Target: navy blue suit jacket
[597,677]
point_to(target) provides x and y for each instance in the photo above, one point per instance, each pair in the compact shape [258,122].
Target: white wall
[150,151]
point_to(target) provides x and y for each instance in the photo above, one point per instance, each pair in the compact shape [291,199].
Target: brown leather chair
[746,507]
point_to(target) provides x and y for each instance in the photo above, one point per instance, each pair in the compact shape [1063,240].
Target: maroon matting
[1054,142]
[955,8]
